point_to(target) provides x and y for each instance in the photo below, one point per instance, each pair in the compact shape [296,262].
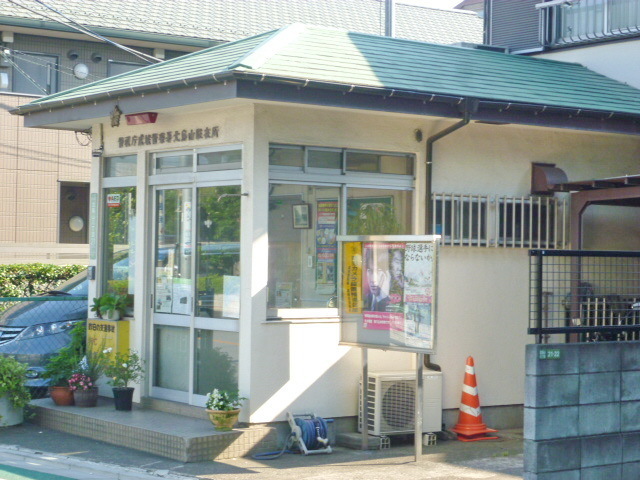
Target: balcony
[570,22]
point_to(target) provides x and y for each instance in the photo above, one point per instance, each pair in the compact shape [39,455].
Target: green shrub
[26,280]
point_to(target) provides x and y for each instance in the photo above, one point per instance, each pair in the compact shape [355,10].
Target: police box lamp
[141,118]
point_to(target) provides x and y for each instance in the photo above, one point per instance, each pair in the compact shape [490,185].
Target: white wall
[618,60]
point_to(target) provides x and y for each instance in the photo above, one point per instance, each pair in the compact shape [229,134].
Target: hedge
[25,280]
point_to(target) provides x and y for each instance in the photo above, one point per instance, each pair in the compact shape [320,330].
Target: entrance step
[184,438]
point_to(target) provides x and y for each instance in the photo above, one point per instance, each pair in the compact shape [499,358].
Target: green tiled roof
[339,59]
[228,20]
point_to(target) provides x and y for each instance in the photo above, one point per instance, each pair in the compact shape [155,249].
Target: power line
[25,74]
[76,26]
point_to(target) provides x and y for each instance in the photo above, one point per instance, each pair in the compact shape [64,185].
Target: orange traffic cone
[470,427]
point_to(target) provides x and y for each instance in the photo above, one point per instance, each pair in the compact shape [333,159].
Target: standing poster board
[387,292]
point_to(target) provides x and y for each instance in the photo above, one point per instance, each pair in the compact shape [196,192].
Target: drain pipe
[466,116]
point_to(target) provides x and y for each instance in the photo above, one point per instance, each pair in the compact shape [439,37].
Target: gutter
[164,38]
[469,106]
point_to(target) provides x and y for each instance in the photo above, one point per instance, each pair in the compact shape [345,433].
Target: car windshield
[77,285]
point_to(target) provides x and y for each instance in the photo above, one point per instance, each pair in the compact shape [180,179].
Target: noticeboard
[387,292]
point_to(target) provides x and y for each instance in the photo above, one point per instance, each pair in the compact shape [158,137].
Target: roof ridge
[268,48]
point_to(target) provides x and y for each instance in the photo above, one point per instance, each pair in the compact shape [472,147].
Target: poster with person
[388,292]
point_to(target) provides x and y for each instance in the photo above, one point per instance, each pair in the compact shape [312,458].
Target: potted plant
[61,366]
[82,382]
[85,392]
[223,409]
[124,368]
[110,306]
[14,395]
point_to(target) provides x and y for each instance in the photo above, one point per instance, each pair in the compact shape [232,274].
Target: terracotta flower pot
[62,396]
[86,398]
[224,420]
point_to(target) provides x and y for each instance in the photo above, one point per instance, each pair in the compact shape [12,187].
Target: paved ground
[32,447]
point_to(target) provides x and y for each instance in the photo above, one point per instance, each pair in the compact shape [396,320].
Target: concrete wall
[616,59]
[581,411]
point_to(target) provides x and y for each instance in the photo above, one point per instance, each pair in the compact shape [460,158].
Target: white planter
[9,415]
[113,316]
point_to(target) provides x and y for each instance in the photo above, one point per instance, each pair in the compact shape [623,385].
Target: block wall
[582,411]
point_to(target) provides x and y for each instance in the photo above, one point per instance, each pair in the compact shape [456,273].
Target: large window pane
[378,212]
[119,260]
[218,252]
[173,278]
[216,361]
[171,359]
[302,261]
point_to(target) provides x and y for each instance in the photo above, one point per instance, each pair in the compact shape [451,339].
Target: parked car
[33,331]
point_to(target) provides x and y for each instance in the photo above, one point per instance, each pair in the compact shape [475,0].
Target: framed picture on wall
[301,216]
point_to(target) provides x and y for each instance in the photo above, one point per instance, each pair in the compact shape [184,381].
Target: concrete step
[183,438]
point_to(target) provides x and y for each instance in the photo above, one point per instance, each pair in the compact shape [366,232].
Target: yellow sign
[104,334]
[353,277]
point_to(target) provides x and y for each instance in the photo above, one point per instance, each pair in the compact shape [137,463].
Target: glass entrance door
[196,288]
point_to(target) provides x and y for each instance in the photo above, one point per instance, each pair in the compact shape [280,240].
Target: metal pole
[418,405]
[364,408]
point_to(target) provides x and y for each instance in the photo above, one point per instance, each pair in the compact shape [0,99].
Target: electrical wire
[25,74]
[85,30]
[31,58]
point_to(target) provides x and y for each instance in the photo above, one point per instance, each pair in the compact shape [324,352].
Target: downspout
[466,116]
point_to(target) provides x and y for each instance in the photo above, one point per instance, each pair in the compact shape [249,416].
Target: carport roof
[332,59]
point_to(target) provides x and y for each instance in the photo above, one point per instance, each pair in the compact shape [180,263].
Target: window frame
[344,180]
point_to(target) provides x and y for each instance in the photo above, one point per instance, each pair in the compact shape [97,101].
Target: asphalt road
[42,450]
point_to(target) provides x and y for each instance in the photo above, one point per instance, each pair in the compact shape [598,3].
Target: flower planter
[86,398]
[61,396]
[9,415]
[224,420]
[123,398]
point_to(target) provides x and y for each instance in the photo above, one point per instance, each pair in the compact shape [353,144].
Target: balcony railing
[565,22]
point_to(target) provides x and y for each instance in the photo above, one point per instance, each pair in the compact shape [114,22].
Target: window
[200,160]
[119,253]
[116,68]
[527,222]
[303,251]
[74,212]
[118,262]
[219,159]
[124,166]
[588,20]
[35,73]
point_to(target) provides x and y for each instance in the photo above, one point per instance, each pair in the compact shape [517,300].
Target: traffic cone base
[470,427]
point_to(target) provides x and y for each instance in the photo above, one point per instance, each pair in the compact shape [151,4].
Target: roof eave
[112,33]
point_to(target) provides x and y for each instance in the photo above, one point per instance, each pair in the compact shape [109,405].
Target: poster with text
[326,246]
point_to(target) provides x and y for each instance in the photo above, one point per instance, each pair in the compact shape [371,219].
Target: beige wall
[618,60]
[32,163]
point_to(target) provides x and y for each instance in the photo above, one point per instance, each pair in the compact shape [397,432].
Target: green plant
[61,366]
[124,368]
[109,303]
[223,400]
[12,382]
[374,219]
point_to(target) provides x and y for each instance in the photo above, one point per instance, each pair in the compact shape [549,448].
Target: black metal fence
[584,295]
[34,329]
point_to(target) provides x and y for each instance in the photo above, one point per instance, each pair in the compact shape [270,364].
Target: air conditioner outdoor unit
[391,402]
